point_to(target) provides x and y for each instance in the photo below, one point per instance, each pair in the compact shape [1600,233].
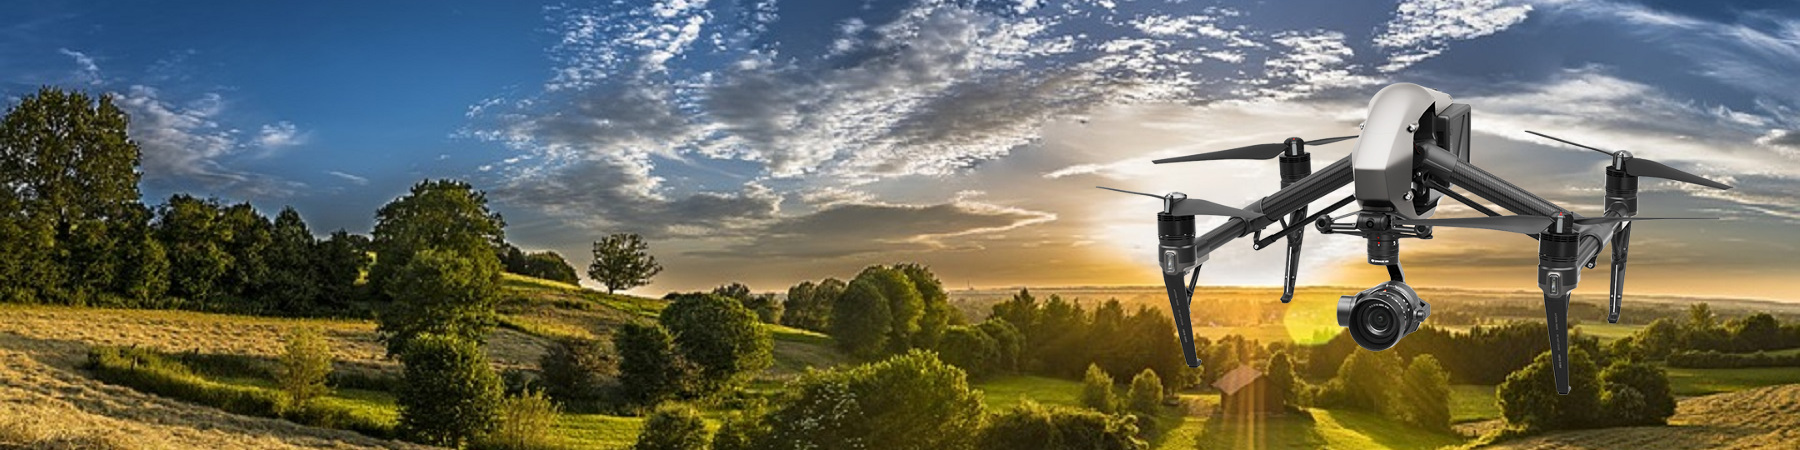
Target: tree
[907,402]
[1009,344]
[971,349]
[572,369]
[1030,426]
[341,260]
[936,314]
[524,421]
[192,232]
[1281,377]
[1425,394]
[449,395]
[1759,331]
[551,266]
[720,337]
[808,305]
[446,215]
[305,364]
[1097,390]
[735,290]
[1528,398]
[441,292]
[1145,394]
[904,305]
[1636,394]
[650,370]
[673,427]
[860,322]
[71,175]
[623,261]
[247,238]
[292,284]
[1365,381]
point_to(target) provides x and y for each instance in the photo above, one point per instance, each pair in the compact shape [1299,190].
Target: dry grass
[1759,418]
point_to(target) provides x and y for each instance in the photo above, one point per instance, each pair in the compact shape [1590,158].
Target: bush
[451,395]
[1425,394]
[1097,390]
[721,338]
[739,429]
[1033,427]
[971,349]
[1365,382]
[908,402]
[672,427]
[1636,394]
[524,424]
[1009,343]
[1528,398]
[1145,394]
[649,369]
[305,364]
[573,369]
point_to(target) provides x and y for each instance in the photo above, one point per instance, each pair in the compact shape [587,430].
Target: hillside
[46,400]
[1767,417]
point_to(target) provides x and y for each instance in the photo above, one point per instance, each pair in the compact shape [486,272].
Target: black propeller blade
[1639,167]
[1527,224]
[1179,204]
[1258,151]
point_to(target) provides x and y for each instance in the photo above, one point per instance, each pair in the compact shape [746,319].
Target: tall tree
[444,293]
[808,304]
[71,173]
[341,260]
[904,305]
[1425,394]
[447,215]
[721,337]
[247,237]
[191,231]
[859,320]
[937,315]
[623,261]
[292,284]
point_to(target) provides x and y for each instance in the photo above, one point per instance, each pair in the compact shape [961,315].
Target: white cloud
[354,179]
[279,135]
[1421,29]
[184,142]
[1314,61]
[86,71]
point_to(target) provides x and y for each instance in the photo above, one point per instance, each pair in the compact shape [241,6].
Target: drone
[1412,150]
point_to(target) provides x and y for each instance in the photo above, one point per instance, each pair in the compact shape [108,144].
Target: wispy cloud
[86,70]
[1421,29]
[184,142]
[354,179]
[279,135]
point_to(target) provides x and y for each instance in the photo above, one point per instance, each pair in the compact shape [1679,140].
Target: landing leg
[1179,299]
[1556,313]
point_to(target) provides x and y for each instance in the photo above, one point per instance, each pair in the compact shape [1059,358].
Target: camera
[1380,316]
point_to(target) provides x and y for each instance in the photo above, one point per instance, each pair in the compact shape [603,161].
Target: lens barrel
[1378,317]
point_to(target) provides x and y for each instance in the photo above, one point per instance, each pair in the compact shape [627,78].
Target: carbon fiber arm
[1278,205]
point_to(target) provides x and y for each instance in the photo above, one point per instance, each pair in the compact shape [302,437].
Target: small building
[1245,390]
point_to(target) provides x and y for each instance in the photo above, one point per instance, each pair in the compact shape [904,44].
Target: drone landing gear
[1180,297]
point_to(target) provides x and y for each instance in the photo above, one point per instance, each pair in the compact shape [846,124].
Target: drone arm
[1275,206]
[1446,166]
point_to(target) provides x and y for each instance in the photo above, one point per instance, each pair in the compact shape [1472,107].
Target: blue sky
[771,141]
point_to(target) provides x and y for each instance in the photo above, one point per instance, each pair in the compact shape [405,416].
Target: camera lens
[1379,319]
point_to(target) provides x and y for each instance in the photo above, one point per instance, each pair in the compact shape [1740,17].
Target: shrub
[151,372]
[573,368]
[1145,394]
[1528,398]
[739,429]
[1033,427]
[1636,394]
[440,292]
[908,402]
[649,369]
[451,395]
[672,427]
[971,349]
[1425,394]
[524,424]
[1097,390]
[1009,343]
[305,363]
[721,338]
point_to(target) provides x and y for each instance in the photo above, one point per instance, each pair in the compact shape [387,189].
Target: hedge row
[155,373]
[1714,360]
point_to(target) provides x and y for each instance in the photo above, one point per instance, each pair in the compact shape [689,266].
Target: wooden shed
[1245,390]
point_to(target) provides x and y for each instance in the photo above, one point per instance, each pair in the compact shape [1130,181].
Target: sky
[774,141]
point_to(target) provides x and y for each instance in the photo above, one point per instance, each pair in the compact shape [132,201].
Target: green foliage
[809,305]
[904,305]
[451,395]
[292,282]
[1281,377]
[1033,427]
[247,239]
[650,370]
[1097,390]
[1636,394]
[1145,394]
[151,372]
[573,369]
[524,423]
[1365,381]
[446,215]
[738,430]
[907,402]
[936,315]
[860,322]
[1424,394]
[720,337]
[193,233]
[440,292]
[1711,359]
[546,265]
[1528,398]
[304,365]
[341,260]
[1009,344]
[623,261]
[971,349]
[673,427]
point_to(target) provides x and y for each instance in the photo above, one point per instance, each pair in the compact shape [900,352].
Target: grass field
[1473,402]
[1713,381]
[1754,419]
[1003,393]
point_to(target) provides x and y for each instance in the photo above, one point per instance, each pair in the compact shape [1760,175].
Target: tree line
[1702,332]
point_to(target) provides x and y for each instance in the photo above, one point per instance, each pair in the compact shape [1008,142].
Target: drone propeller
[1178,204]
[1639,167]
[1258,151]
[1527,224]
